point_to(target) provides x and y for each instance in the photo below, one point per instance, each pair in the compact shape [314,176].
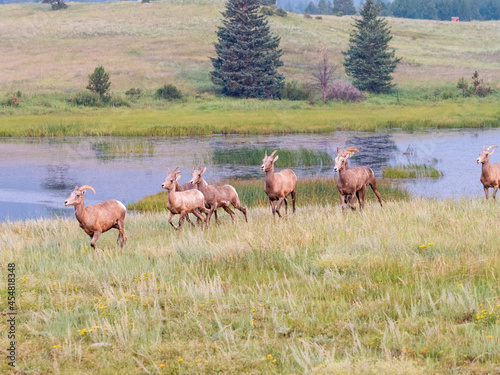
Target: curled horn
[84,187]
[349,151]
[488,149]
[273,153]
[265,154]
[175,171]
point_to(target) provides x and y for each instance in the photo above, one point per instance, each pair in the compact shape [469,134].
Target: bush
[99,81]
[345,91]
[169,92]
[268,2]
[267,11]
[87,99]
[118,101]
[134,93]
[447,95]
[281,12]
[293,90]
[318,17]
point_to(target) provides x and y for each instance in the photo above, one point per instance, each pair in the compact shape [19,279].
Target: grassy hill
[147,45]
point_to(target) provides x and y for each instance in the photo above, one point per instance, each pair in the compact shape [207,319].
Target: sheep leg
[170,221]
[94,240]
[486,192]
[286,206]
[200,217]
[294,196]
[229,211]
[361,197]
[278,206]
[373,185]
[343,199]
[181,220]
[350,201]
[122,238]
[216,217]
[237,205]
[495,188]
[273,208]
[189,220]
[212,209]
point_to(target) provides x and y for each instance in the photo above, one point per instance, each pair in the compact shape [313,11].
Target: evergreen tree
[248,54]
[324,7]
[311,8]
[344,6]
[369,59]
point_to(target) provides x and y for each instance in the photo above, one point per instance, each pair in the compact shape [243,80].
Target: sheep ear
[76,187]
[276,158]
[265,154]
[177,178]
[492,151]
[203,171]
[339,151]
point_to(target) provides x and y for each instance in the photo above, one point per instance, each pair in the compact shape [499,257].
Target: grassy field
[390,290]
[312,191]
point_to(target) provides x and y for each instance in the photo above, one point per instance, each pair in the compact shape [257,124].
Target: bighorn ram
[217,196]
[99,218]
[490,173]
[182,202]
[353,180]
[278,185]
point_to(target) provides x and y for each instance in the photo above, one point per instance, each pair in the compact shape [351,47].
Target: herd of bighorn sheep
[198,197]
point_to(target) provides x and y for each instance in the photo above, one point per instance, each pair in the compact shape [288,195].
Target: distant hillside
[148,45]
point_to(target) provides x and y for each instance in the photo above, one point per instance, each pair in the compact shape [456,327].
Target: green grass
[410,171]
[390,290]
[287,157]
[316,191]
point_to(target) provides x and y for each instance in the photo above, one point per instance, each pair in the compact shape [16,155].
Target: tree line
[483,10]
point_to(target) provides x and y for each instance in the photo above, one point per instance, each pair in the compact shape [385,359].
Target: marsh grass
[301,157]
[316,191]
[410,171]
[390,290]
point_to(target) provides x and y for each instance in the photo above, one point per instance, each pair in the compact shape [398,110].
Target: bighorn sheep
[183,202]
[278,185]
[353,180]
[99,218]
[490,173]
[217,196]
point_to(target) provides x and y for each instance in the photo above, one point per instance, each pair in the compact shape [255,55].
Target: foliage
[280,12]
[118,101]
[267,11]
[56,4]
[369,60]
[99,81]
[293,90]
[134,93]
[445,95]
[410,171]
[248,54]
[269,3]
[344,91]
[477,87]
[169,92]
[323,74]
[344,7]
[87,99]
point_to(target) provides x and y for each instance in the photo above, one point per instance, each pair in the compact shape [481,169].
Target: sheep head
[268,162]
[484,156]
[171,179]
[197,175]
[77,195]
[342,156]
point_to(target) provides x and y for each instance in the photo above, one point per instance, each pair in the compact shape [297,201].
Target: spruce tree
[248,54]
[369,60]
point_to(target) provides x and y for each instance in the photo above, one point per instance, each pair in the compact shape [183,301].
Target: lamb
[353,180]
[278,185]
[99,218]
[217,196]
[490,173]
[183,202]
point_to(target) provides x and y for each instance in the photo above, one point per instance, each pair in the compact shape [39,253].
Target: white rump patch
[121,204]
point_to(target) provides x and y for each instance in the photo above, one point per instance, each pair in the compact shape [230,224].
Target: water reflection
[376,151]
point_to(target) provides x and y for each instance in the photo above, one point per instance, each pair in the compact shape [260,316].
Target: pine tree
[248,54]
[369,60]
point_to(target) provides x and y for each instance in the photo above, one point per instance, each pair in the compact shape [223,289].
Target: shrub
[87,99]
[281,12]
[134,93]
[268,2]
[318,17]
[447,95]
[99,81]
[169,92]
[13,101]
[267,11]
[345,91]
[118,101]
[479,87]
[306,15]
[293,90]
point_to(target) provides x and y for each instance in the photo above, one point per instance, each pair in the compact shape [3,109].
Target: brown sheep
[278,185]
[217,196]
[99,218]
[353,180]
[490,173]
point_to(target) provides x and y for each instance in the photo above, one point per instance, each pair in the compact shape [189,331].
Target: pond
[37,175]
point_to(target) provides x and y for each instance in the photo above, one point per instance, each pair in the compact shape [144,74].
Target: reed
[410,171]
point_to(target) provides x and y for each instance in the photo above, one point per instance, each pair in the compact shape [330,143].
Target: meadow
[389,290]
[47,57]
